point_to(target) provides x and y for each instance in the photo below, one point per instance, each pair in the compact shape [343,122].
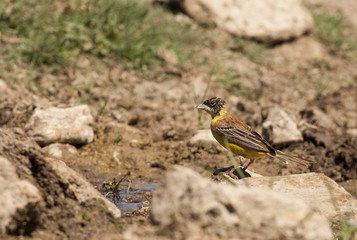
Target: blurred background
[142,67]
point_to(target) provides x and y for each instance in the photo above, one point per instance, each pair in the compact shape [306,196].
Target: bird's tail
[288,157]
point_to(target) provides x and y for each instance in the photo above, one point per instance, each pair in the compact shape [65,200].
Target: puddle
[130,199]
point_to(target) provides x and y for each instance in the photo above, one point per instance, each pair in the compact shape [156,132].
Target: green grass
[102,109]
[256,51]
[55,32]
[343,230]
[236,83]
[336,32]
[118,138]
[113,189]
[228,78]
[321,83]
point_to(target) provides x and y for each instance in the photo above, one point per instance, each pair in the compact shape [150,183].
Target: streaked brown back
[239,133]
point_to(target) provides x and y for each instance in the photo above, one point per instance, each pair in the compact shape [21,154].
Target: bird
[241,139]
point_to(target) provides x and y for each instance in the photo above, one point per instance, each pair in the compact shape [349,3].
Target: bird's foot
[233,172]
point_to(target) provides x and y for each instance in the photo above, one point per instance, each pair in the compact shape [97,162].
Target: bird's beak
[201,106]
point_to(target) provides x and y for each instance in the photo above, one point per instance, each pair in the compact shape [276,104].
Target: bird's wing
[238,133]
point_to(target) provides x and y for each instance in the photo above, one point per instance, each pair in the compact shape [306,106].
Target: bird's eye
[212,103]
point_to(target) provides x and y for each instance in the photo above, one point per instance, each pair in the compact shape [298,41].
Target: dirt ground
[151,115]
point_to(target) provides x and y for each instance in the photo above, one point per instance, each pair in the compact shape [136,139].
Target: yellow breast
[238,150]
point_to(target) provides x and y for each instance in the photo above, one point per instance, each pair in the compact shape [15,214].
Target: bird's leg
[250,162]
[228,171]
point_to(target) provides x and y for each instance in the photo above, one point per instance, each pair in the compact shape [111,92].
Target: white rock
[19,200]
[63,125]
[264,20]
[315,189]
[204,139]
[202,136]
[200,209]
[280,127]
[299,53]
[352,132]
[3,85]
[59,150]
[168,56]
[60,184]
[316,116]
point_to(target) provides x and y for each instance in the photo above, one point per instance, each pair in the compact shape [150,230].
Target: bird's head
[213,106]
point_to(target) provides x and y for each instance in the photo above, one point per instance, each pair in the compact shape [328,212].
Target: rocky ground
[135,124]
